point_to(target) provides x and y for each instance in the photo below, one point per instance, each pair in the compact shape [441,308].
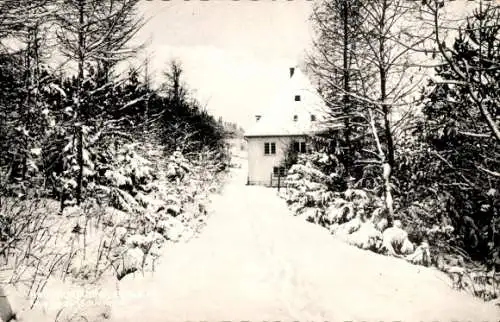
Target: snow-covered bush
[125,169]
[356,216]
[367,236]
[130,261]
[395,241]
[305,184]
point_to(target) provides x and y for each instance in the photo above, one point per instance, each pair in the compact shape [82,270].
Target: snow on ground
[254,261]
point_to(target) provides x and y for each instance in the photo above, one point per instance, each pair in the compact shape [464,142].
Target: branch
[466,81]
[475,135]
[132,102]
[453,168]
[492,173]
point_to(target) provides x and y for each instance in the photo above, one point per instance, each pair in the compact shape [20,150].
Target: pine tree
[95,43]
[461,111]
[337,24]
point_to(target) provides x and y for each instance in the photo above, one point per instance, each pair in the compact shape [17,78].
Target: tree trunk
[387,158]
[386,171]
[79,152]
[346,109]
[383,87]
[27,102]
[79,127]
[387,122]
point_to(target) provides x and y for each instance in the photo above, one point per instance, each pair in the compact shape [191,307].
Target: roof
[284,116]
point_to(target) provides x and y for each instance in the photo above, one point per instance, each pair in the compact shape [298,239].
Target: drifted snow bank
[143,202]
[357,217]
[354,216]
[165,207]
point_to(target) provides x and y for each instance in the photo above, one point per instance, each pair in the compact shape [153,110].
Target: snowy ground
[255,261]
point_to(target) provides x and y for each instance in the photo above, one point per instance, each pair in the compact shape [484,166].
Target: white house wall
[260,165]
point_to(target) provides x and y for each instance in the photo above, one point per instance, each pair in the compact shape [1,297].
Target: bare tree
[93,31]
[119,23]
[393,37]
[173,86]
[15,16]
[372,63]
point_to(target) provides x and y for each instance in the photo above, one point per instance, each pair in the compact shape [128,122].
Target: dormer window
[313,117]
[295,118]
[297,98]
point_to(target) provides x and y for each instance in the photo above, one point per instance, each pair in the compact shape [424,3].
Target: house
[297,112]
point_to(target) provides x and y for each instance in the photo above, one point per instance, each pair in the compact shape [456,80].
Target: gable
[297,109]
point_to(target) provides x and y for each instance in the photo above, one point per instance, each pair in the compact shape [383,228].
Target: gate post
[6,313]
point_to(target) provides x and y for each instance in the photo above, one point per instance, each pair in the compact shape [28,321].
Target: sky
[235,54]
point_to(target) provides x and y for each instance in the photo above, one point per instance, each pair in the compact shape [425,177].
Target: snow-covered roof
[297,109]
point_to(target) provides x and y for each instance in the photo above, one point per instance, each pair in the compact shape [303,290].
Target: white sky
[234,53]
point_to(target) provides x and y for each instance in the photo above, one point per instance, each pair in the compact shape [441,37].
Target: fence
[277,180]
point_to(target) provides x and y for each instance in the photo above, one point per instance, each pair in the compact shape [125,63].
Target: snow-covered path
[255,262]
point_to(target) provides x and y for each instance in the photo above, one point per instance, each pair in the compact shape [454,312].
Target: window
[295,118]
[297,98]
[279,171]
[269,148]
[313,117]
[303,147]
[299,147]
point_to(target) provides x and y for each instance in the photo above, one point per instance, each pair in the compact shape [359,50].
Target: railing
[276,181]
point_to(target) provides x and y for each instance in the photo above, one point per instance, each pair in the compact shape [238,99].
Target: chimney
[257,118]
[292,70]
